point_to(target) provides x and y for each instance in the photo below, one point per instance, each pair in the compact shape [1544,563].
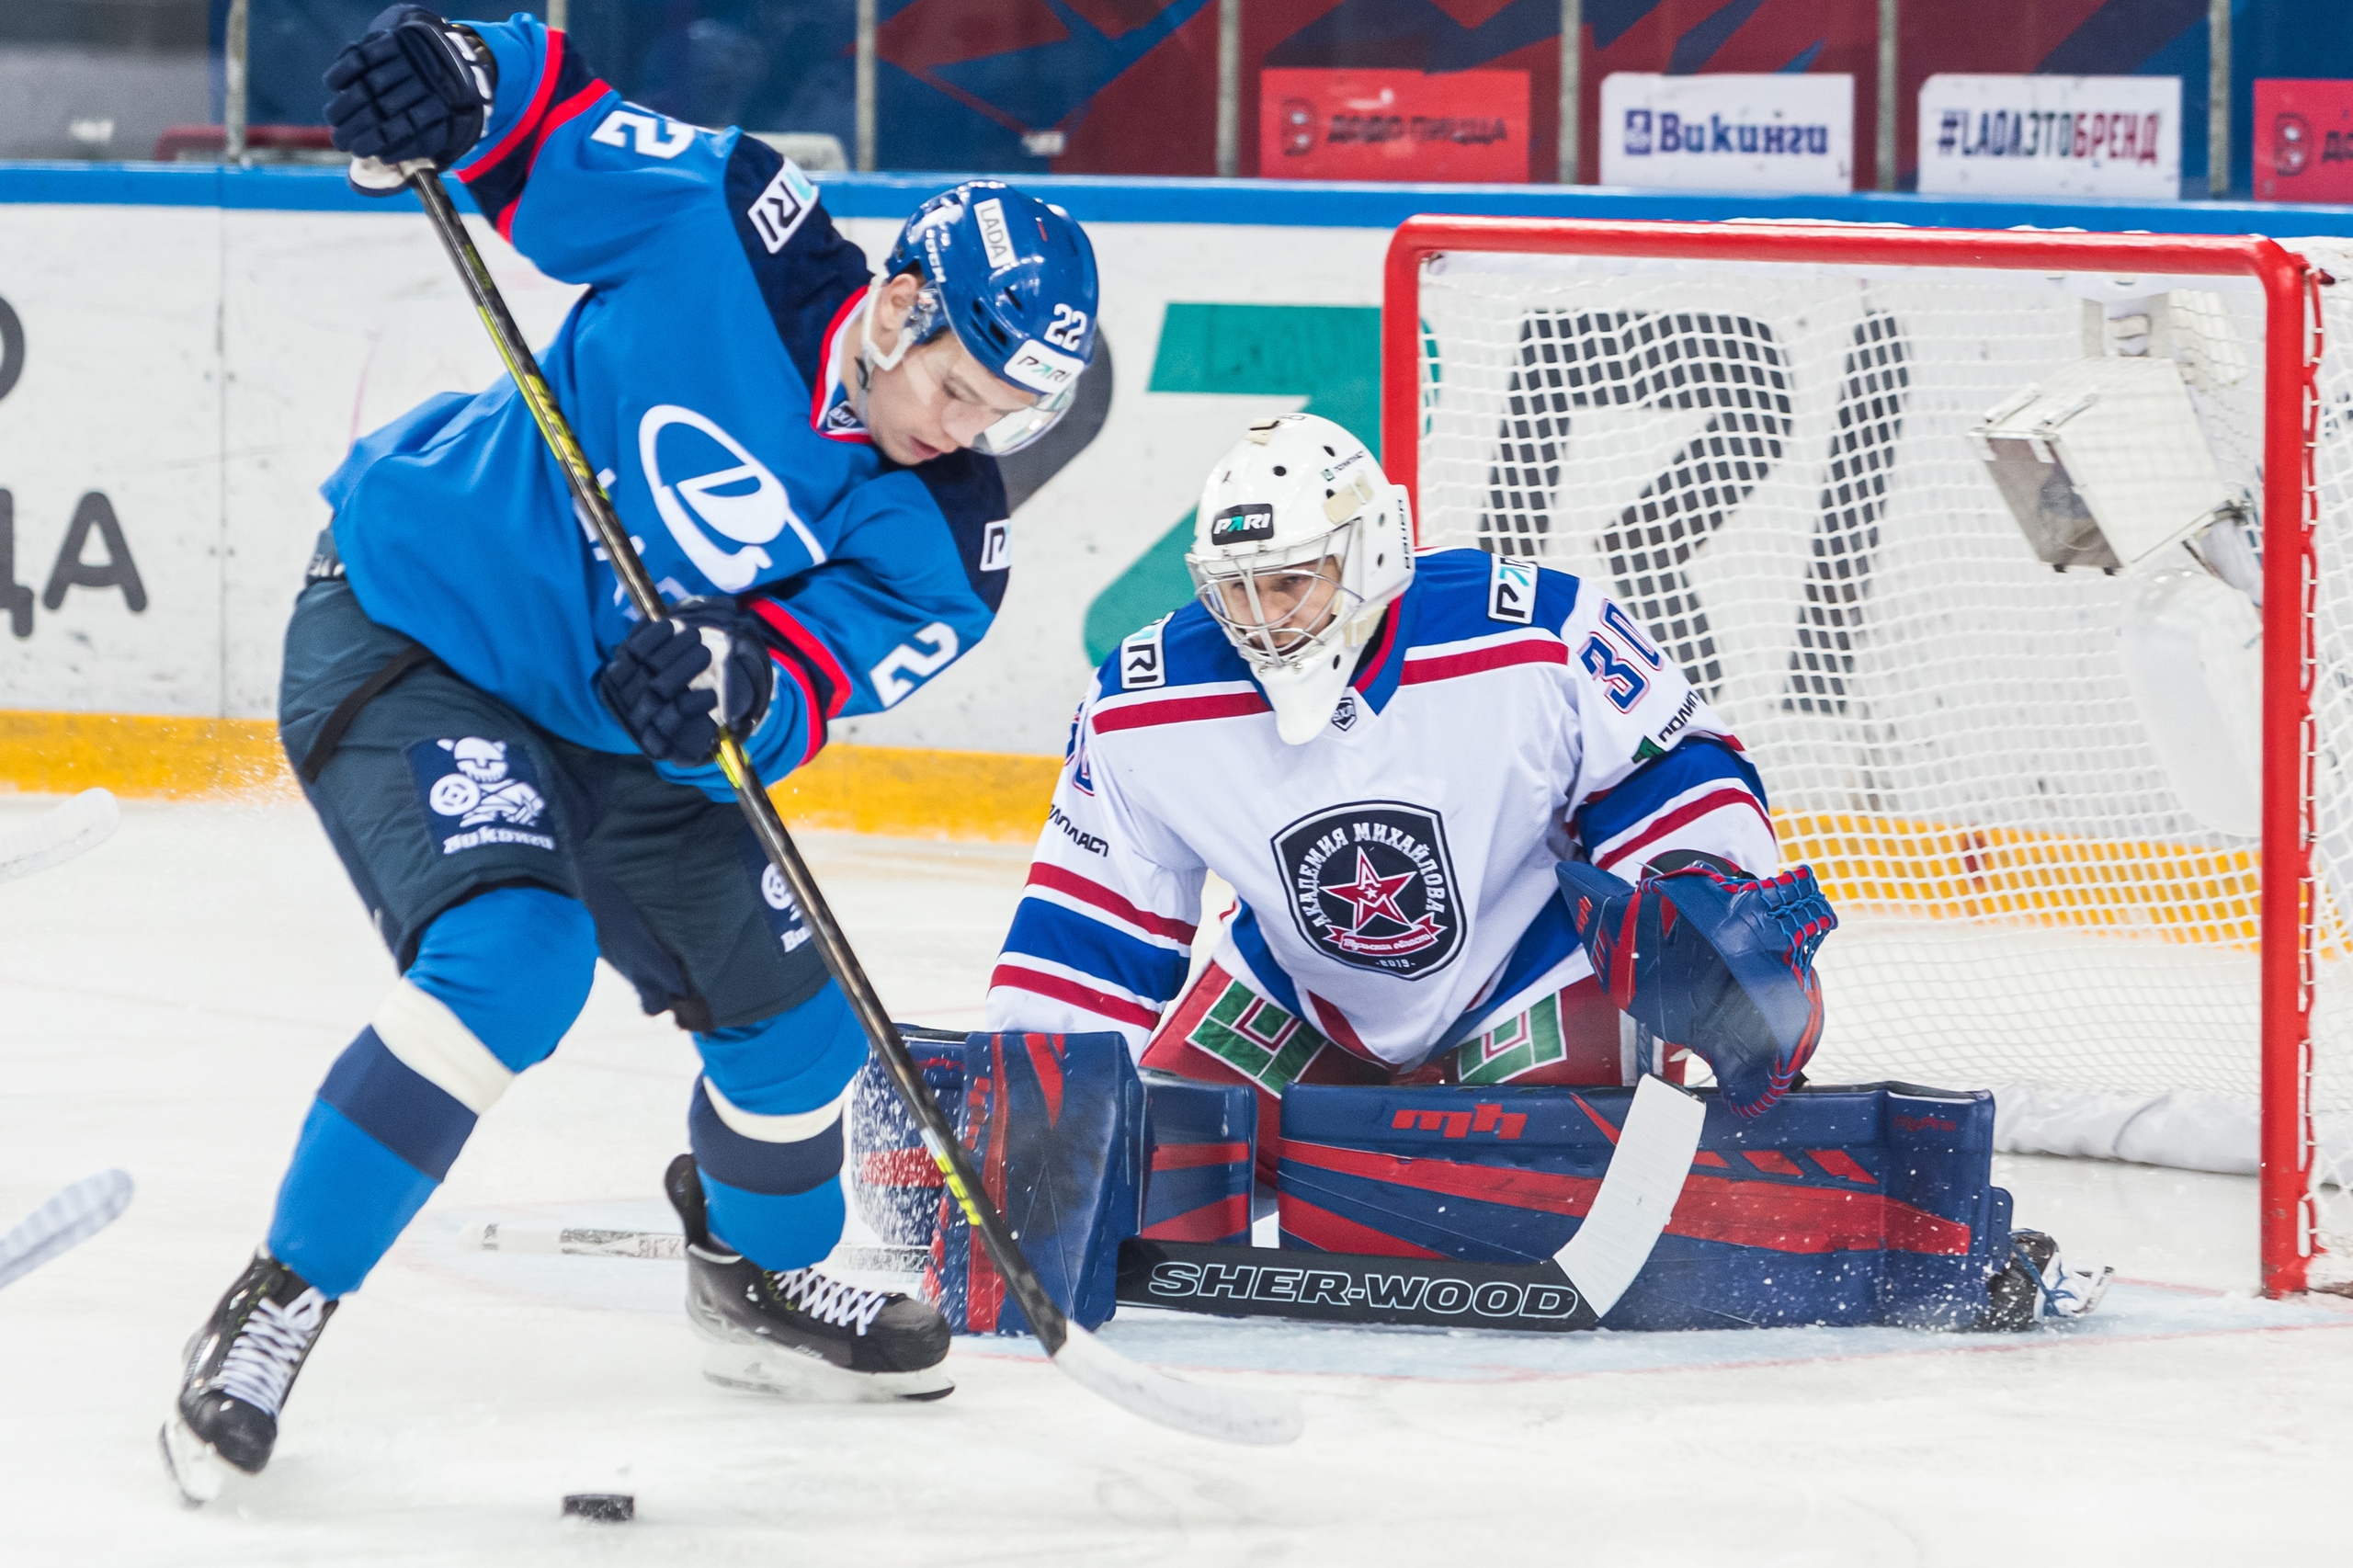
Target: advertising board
[1394,125]
[1732,132]
[2114,136]
[2303,141]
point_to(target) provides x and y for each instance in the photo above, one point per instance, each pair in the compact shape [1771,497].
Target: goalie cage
[1756,437]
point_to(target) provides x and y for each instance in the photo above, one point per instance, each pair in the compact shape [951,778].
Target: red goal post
[1412,366]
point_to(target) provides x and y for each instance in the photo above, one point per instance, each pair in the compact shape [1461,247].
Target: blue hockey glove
[1722,964]
[672,681]
[412,86]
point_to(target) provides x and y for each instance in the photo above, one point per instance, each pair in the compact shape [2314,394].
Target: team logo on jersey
[841,417]
[480,792]
[1370,884]
[732,493]
[1344,712]
[776,899]
[780,209]
[1511,590]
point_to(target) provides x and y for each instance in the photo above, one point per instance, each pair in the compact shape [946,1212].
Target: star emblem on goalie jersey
[1372,893]
[1372,886]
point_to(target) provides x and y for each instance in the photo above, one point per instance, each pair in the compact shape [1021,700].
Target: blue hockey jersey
[699,371]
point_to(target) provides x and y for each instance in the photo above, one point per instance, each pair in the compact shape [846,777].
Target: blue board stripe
[1278,203]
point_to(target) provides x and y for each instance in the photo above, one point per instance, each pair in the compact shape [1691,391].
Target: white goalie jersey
[1393,875]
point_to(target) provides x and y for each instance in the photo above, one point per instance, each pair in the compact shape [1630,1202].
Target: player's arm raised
[1104,932]
[1690,929]
[584,183]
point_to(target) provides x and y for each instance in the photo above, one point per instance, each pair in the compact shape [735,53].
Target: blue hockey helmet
[1014,278]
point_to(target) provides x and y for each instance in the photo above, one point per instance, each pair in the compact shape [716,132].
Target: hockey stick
[1230,1414]
[59,834]
[67,1220]
[661,1247]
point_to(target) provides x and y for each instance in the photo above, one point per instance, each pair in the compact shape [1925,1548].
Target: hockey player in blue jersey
[517,774]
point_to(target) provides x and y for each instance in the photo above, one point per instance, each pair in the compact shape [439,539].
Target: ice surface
[169,1001]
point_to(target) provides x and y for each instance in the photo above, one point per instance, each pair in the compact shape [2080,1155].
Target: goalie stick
[1233,1415]
[1575,1290]
[67,1220]
[58,834]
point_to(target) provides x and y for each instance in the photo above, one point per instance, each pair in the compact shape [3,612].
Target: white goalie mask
[1300,542]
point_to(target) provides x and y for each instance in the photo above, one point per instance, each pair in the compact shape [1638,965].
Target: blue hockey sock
[766,1126]
[498,980]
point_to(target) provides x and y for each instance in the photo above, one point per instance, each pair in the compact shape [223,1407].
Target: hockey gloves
[671,682]
[413,86]
[1722,964]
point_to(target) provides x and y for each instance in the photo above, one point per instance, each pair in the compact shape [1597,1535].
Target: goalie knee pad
[1722,964]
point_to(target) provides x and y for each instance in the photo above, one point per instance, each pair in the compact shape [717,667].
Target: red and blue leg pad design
[498,981]
[1202,1160]
[1866,1205]
[1055,1124]
[765,1127]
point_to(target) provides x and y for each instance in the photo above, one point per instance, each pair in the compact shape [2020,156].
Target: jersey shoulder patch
[802,267]
[1182,648]
[1143,664]
[1511,589]
[1468,594]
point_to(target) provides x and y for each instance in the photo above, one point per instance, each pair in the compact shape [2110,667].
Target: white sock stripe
[433,1042]
[795,1128]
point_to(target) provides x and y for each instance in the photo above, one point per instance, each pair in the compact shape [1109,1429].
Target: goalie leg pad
[1850,1205]
[891,1177]
[1055,1124]
[1718,963]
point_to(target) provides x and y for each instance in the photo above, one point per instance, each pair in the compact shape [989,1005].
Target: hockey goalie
[1483,836]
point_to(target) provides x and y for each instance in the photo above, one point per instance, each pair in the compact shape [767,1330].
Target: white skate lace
[830,1301]
[262,1362]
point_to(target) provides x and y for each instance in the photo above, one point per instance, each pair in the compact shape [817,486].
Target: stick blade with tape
[1221,1414]
[67,1220]
[59,835]
[1638,1193]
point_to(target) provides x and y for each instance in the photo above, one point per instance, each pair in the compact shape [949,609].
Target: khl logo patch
[1371,886]
[483,789]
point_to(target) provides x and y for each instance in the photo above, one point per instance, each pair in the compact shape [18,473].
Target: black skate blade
[759,1368]
[200,1474]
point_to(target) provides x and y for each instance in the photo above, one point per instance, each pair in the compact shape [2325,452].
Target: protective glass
[1275,607]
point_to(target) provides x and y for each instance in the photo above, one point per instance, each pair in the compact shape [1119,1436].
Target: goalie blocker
[1444,1206]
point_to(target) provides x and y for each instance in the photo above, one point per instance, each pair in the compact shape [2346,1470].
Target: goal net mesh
[1770,466]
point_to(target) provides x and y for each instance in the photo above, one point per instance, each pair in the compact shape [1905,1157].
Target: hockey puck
[601,1507]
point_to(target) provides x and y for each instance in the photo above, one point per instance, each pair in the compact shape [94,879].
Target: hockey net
[1756,438]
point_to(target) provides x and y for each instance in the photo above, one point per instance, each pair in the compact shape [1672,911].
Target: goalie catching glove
[1720,964]
[672,682]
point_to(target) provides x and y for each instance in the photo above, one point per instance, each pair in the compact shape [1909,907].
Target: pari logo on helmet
[1014,278]
[1299,544]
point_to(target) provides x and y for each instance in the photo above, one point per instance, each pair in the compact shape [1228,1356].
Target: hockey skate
[241,1366]
[801,1333]
[2037,1287]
